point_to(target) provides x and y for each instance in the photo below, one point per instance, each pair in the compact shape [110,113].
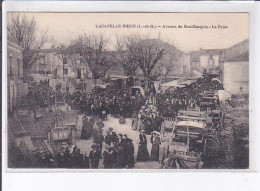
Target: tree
[94,54]
[171,61]
[25,33]
[126,54]
[148,53]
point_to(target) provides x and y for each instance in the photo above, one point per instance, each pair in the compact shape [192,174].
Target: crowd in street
[189,96]
[118,151]
[147,116]
[116,103]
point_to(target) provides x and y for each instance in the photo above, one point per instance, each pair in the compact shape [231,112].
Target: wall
[183,61]
[16,87]
[236,77]
[204,60]
[14,60]
[52,62]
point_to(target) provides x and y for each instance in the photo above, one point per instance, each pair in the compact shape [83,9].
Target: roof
[146,42]
[188,82]
[174,83]
[191,124]
[14,45]
[237,53]
[119,77]
[211,51]
[195,55]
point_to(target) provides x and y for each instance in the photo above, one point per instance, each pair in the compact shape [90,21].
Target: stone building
[49,66]
[205,60]
[16,87]
[235,68]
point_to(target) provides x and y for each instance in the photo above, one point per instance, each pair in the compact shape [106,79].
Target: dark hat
[110,128]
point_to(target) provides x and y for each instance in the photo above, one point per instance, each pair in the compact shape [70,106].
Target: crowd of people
[118,152]
[116,103]
[190,96]
[147,116]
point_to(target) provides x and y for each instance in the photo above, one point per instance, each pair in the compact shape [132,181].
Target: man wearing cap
[111,137]
[94,157]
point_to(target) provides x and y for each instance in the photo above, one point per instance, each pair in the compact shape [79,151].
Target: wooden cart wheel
[211,146]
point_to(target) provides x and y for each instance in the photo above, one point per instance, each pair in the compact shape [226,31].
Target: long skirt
[155,152]
[134,124]
[142,155]
[131,161]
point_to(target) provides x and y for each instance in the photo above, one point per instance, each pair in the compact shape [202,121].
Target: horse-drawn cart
[189,142]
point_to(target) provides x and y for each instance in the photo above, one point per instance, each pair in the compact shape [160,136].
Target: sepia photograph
[127,90]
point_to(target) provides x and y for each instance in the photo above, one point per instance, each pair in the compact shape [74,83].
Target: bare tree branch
[23,32]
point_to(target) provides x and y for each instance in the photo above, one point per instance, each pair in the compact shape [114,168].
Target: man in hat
[111,137]
[94,157]
[98,139]
[87,128]
[130,161]
[120,139]
[108,138]
[156,141]
[109,157]
[121,157]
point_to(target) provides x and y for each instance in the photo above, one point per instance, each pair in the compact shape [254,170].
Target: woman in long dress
[139,123]
[142,155]
[156,141]
[134,122]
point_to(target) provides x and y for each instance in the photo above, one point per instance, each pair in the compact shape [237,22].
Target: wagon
[167,127]
[184,147]
[63,133]
[189,142]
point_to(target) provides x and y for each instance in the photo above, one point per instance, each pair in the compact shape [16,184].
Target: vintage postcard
[127,90]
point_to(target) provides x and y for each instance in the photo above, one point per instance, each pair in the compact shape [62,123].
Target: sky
[63,27]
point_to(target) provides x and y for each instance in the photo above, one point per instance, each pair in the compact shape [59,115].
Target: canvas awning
[197,74]
[174,83]
[188,82]
[216,79]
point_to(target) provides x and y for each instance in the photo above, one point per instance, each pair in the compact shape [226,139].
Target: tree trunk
[146,81]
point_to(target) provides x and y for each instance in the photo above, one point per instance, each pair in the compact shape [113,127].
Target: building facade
[205,60]
[236,68]
[16,87]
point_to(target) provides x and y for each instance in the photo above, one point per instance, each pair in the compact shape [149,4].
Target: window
[11,65]
[65,71]
[18,65]
[184,70]
[211,60]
